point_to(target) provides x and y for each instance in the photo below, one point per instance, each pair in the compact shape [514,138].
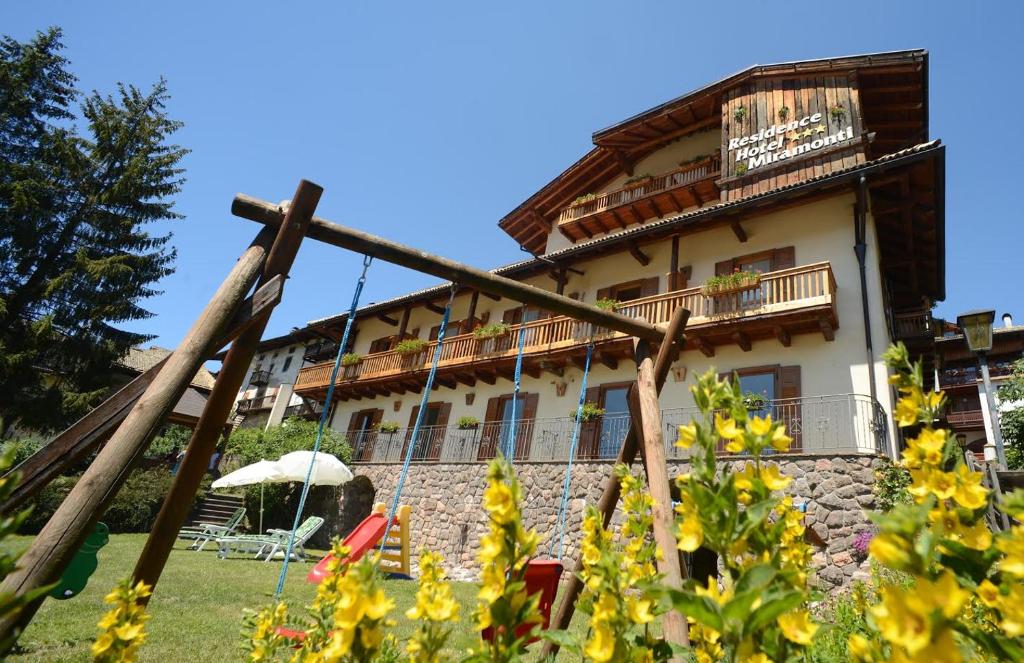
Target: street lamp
[977,328]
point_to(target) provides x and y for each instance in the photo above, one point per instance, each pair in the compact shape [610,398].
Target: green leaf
[701,608]
[772,608]
[565,641]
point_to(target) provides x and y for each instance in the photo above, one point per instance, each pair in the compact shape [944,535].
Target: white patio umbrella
[263,472]
[327,471]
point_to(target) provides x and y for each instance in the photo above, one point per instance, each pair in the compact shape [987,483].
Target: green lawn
[197,607]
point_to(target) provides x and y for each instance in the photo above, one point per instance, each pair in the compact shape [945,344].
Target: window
[291,349]
[361,429]
[453,328]
[763,261]
[514,316]
[271,369]
[779,386]
[630,290]
[287,364]
[497,426]
[381,344]
[615,422]
[432,432]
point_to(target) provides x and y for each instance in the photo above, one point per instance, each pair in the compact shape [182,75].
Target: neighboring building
[957,373]
[818,176]
[189,407]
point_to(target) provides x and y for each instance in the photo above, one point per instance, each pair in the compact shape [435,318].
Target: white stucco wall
[819,231]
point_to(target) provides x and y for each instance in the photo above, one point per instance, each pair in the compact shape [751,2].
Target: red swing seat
[542,576]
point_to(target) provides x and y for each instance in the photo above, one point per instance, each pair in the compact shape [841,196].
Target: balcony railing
[965,418]
[680,177]
[248,405]
[918,324]
[306,409]
[783,291]
[260,378]
[961,375]
[320,351]
[818,425]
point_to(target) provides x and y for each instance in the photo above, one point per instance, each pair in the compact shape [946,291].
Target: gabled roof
[140,360]
[882,78]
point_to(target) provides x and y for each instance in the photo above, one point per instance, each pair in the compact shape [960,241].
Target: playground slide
[365,536]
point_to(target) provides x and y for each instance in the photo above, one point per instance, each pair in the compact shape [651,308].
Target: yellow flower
[639,610]
[1012,610]
[859,647]
[780,441]
[760,426]
[601,645]
[988,593]
[890,550]
[969,492]
[690,534]
[773,479]
[1013,548]
[687,436]
[906,411]
[903,619]
[798,627]
[726,427]
[499,503]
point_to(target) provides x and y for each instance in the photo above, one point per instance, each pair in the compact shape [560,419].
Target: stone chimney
[1007,320]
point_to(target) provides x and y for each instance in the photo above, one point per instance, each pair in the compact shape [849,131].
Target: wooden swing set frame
[130,418]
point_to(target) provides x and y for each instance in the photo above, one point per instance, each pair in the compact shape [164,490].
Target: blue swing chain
[420,416]
[563,508]
[323,422]
[510,443]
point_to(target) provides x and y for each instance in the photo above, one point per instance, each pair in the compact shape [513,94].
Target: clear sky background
[428,122]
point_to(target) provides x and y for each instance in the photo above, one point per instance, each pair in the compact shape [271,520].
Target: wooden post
[667,353]
[218,406]
[403,326]
[467,327]
[83,436]
[61,537]
[645,418]
[468,277]
[673,265]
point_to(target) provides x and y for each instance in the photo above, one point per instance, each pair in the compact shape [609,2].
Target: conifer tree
[81,176]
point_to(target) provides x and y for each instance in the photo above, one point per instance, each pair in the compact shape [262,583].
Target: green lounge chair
[207,532]
[269,544]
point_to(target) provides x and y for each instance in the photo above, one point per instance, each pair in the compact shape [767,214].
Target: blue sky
[427,122]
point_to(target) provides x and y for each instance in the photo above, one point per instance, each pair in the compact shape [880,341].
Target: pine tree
[76,193]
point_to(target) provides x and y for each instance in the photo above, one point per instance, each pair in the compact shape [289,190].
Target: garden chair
[207,532]
[274,541]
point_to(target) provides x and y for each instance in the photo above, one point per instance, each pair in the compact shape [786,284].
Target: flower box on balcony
[729,283]
[493,330]
[637,181]
[411,346]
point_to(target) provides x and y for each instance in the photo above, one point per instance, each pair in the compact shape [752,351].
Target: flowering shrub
[965,598]
[122,629]
[435,608]
[757,611]
[617,581]
[861,543]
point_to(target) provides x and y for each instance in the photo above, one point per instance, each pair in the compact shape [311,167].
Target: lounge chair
[269,544]
[207,532]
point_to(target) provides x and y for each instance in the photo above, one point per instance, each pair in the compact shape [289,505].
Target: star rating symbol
[820,129]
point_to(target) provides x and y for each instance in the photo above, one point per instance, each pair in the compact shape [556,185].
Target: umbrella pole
[262,483]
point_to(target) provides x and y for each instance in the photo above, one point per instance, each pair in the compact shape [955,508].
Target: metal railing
[320,351]
[917,324]
[256,404]
[958,375]
[818,424]
[965,418]
[308,409]
[260,378]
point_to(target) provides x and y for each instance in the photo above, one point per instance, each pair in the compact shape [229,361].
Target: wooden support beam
[489,295]
[618,219]
[445,381]
[667,353]
[827,329]
[53,548]
[625,162]
[414,387]
[388,251]
[741,339]
[673,265]
[178,501]
[403,326]
[436,308]
[654,205]
[387,319]
[532,370]
[638,255]
[487,377]
[645,418]
[507,373]
[555,368]
[608,360]
[783,336]
[738,230]
[467,326]
[704,346]
[466,379]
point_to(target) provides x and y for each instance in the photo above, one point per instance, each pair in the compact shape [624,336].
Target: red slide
[365,536]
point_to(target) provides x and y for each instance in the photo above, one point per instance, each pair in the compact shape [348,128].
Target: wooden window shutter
[491,430]
[604,293]
[378,414]
[790,412]
[353,421]
[590,430]
[524,432]
[443,412]
[724,267]
[512,316]
[649,287]
[408,431]
[593,395]
[437,434]
[784,258]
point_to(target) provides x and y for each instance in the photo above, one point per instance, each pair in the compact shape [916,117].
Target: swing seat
[542,576]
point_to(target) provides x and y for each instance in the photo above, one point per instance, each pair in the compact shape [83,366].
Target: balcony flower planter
[350,359]
[387,427]
[637,182]
[591,412]
[468,423]
[494,330]
[411,346]
[730,283]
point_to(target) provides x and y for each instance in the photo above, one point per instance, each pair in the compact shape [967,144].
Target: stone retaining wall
[447,516]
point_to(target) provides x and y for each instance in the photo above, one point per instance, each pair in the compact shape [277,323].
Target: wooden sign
[779,131]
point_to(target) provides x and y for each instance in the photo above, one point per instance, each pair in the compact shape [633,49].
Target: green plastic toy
[82,565]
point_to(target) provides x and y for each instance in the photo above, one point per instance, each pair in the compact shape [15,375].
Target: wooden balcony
[914,325]
[965,419]
[693,184]
[249,405]
[787,302]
